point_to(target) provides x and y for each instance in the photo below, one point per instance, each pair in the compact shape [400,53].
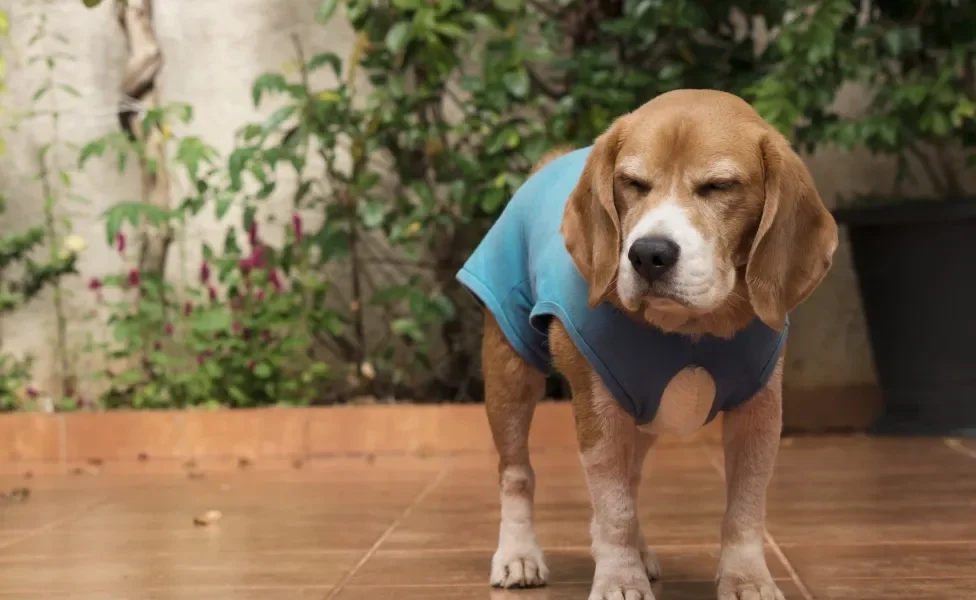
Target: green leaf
[91,3]
[39,93]
[372,212]
[517,82]
[262,370]
[278,117]
[508,5]
[407,328]
[326,58]
[211,320]
[71,90]
[191,152]
[325,10]
[398,36]
[269,82]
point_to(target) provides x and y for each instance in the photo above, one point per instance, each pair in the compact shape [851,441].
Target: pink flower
[212,292]
[252,233]
[275,280]
[296,223]
[168,329]
[95,284]
[254,261]
[120,242]
[187,309]
[266,335]
[199,359]
[31,392]
[250,365]
[236,326]
[134,278]
[204,272]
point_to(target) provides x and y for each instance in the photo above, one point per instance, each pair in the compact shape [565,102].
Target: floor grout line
[959,447]
[387,533]
[768,537]
[53,524]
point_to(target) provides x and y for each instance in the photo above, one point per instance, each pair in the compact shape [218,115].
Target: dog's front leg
[608,441]
[751,435]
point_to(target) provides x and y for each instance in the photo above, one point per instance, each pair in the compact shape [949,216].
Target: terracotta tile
[42,510]
[135,591]
[884,561]
[669,590]
[123,435]
[111,573]
[895,589]
[30,437]
[391,568]
[873,525]
[253,433]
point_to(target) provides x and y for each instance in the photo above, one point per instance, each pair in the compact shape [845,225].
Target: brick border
[126,436]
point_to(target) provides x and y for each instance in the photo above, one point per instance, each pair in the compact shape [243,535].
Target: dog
[655,270]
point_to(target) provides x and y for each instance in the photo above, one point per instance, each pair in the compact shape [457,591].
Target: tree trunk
[139,84]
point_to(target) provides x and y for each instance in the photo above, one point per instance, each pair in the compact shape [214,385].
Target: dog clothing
[524,275]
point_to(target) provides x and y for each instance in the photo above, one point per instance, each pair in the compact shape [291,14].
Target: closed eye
[636,184]
[716,186]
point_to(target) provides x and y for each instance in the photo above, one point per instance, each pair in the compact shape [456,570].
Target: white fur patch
[518,561]
[685,404]
[694,278]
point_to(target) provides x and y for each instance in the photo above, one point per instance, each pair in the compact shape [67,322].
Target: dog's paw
[621,582]
[743,575]
[759,590]
[518,566]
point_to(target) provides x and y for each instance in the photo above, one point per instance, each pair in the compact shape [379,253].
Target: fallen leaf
[208,518]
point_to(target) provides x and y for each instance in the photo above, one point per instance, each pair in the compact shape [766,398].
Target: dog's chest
[685,404]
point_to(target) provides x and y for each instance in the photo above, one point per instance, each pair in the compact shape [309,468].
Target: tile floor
[849,519]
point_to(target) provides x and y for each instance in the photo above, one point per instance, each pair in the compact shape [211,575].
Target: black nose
[652,257]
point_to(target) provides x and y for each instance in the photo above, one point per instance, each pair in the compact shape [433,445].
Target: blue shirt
[523,274]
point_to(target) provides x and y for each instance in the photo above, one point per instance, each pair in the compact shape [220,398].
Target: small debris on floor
[18,494]
[244,463]
[298,463]
[29,475]
[195,474]
[370,459]
[190,465]
[142,457]
[86,470]
[208,518]
[95,462]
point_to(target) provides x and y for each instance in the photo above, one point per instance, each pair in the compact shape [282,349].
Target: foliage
[238,334]
[917,63]
[397,159]
[22,275]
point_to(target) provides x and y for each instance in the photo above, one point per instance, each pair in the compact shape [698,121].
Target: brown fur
[771,229]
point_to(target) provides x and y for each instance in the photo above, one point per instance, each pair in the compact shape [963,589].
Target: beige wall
[214,49]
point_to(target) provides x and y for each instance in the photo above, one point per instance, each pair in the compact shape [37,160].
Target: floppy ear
[591,226]
[797,236]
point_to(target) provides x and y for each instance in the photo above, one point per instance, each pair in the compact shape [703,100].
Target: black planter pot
[916,269]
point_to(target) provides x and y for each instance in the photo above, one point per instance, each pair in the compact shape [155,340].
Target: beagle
[655,270]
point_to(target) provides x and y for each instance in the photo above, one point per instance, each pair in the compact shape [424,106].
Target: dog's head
[696,215]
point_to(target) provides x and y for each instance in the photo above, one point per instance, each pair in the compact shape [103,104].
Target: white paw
[749,590]
[621,582]
[518,564]
[743,575]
